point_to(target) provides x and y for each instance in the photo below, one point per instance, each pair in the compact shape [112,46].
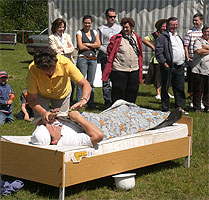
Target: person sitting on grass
[26,112]
[6,99]
[88,129]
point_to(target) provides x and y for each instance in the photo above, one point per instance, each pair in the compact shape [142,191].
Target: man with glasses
[106,31]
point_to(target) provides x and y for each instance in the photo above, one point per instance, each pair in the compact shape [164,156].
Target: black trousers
[125,85]
[175,78]
[200,89]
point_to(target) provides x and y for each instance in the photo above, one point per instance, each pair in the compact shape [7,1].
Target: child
[26,111]
[6,99]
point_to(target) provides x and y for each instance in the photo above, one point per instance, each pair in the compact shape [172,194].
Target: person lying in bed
[122,118]
[66,133]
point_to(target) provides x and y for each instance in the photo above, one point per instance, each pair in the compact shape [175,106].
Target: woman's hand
[79,105]
[48,117]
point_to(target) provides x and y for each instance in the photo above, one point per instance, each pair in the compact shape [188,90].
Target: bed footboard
[32,163]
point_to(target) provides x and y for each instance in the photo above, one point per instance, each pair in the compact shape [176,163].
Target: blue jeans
[87,68]
[106,87]
[6,117]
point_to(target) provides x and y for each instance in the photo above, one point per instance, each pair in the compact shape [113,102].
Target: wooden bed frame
[48,166]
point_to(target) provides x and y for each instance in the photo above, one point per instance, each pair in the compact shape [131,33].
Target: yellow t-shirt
[59,85]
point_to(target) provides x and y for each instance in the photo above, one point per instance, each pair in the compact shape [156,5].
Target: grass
[168,180]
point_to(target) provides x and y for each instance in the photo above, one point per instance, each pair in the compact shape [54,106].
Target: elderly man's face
[172,26]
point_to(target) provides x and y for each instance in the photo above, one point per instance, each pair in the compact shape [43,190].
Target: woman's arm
[45,115]
[81,45]
[53,44]
[96,44]
[148,43]
[86,91]
[69,48]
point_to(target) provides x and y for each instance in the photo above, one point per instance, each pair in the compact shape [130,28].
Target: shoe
[191,105]
[157,97]
[185,112]
[172,118]
[171,96]
[202,106]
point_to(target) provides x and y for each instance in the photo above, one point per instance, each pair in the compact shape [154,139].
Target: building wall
[144,12]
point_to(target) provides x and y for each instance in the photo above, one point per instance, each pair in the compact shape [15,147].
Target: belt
[89,58]
[177,66]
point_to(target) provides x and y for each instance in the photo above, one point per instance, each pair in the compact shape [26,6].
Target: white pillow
[41,136]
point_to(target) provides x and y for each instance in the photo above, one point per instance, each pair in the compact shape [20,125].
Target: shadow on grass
[6,49]
[145,94]
[27,61]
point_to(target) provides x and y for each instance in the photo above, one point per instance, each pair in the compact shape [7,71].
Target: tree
[23,15]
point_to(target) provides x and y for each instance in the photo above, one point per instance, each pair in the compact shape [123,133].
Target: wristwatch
[84,98]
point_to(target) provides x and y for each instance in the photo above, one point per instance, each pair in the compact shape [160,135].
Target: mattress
[111,145]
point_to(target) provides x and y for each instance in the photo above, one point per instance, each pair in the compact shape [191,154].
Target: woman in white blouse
[60,41]
[62,44]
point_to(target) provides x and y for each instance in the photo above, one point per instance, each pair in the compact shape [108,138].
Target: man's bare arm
[95,134]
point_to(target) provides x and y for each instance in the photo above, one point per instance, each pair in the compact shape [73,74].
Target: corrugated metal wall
[144,12]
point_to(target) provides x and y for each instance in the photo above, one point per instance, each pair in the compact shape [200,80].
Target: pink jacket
[112,50]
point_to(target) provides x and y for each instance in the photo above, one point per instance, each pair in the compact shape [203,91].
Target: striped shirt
[189,39]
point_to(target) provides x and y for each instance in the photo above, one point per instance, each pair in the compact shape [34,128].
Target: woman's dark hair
[87,17]
[57,23]
[45,58]
[128,20]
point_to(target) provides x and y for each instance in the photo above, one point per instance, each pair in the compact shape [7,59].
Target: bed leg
[62,189]
[187,162]
[62,193]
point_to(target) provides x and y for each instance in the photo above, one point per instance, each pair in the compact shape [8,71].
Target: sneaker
[191,105]
[157,97]
[185,112]
[171,96]
[202,106]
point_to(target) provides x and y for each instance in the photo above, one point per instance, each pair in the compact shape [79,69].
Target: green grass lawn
[164,181]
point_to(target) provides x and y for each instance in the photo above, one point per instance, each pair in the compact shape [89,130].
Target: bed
[55,167]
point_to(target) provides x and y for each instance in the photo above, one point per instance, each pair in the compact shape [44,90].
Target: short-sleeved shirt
[200,64]
[189,39]
[151,39]
[59,85]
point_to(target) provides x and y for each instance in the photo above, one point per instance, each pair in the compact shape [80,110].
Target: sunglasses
[111,16]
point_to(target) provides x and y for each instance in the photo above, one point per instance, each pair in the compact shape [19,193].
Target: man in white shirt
[171,56]
[192,34]
[62,132]
[106,31]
